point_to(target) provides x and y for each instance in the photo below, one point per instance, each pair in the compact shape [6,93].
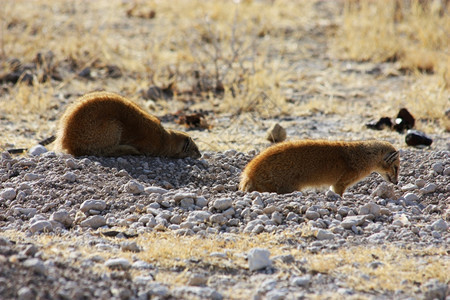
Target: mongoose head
[182,145]
[390,167]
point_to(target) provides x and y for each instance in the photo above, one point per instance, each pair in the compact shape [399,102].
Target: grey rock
[429,188]
[198,216]
[201,202]
[194,292]
[155,190]
[349,222]
[276,133]
[439,225]
[94,222]
[302,281]
[25,293]
[63,217]
[411,197]
[438,167]
[118,263]
[36,265]
[71,163]
[197,279]
[134,187]
[41,226]
[322,234]
[258,259]
[8,194]
[223,204]
[88,205]
[37,150]
[70,177]
[218,219]
[130,246]
[312,215]
[30,176]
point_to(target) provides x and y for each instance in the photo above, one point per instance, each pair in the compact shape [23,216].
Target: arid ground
[225,72]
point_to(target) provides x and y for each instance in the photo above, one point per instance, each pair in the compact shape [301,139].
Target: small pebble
[258,259]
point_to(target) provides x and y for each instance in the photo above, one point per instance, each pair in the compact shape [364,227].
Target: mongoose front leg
[120,150]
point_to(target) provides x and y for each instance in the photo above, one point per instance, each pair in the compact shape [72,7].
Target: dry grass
[407,268]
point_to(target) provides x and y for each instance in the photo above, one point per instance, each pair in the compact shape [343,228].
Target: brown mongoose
[107,124]
[293,165]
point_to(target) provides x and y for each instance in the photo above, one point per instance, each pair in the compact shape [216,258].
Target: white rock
[218,219]
[312,215]
[31,176]
[420,182]
[94,222]
[63,217]
[322,234]
[401,220]
[155,190]
[71,163]
[411,197]
[429,188]
[223,204]
[37,150]
[409,187]
[350,221]
[447,171]
[385,191]
[438,167]
[130,246]
[41,226]
[301,281]
[134,187]
[180,196]
[8,194]
[87,205]
[201,202]
[118,263]
[36,265]
[258,259]
[198,216]
[196,292]
[439,225]
[70,176]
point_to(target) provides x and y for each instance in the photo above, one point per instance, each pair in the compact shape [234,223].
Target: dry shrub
[410,32]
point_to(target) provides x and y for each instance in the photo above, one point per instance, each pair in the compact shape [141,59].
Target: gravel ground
[58,195]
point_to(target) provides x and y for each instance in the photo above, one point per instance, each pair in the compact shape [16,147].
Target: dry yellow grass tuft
[362,268]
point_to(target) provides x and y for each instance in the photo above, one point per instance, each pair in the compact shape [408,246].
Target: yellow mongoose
[294,165]
[106,124]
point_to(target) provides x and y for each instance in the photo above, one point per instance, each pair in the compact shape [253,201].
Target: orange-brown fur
[106,124]
[294,165]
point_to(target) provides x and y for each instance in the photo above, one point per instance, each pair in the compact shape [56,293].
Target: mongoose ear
[391,157]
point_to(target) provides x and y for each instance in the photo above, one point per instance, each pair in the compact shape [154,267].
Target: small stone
[218,219]
[401,220]
[198,216]
[439,225]
[71,163]
[134,187]
[351,221]
[36,265]
[195,292]
[37,150]
[62,217]
[302,281]
[438,167]
[411,197]
[180,196]
[130,246]
[155,190]
[8,194]
[446,171]
[31,176]
[201,202]
[187,202]
[25,293]
[94,222]
[176,219]
[223,204]
[70,177]
[118,264]
[41,226]
[312,215]
[276,133]
[197,279]
[420,182]
[277,218]
[322,234]
[385,191]
[259,259]
[88,205]
[409,187]
[429,188]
